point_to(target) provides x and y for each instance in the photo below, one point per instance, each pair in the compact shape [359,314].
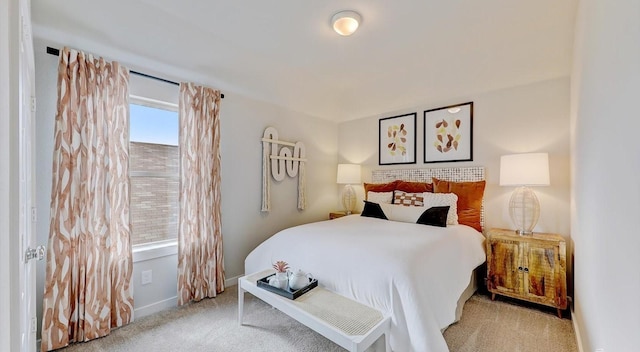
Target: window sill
[155,250]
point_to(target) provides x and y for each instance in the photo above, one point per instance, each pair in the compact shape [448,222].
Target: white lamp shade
[529,169]
[345,23]
[349,174]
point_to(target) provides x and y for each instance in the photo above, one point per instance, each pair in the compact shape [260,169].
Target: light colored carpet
[497,326]
[211,325]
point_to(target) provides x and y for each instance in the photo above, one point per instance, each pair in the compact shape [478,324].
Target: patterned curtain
[88,288]
[200,261]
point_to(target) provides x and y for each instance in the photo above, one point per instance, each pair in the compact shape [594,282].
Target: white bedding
[415,273]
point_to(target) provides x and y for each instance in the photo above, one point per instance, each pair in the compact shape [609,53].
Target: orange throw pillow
[379,187]
[413,187]
[469,199]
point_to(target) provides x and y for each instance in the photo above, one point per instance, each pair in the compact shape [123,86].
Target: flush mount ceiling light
[345,23]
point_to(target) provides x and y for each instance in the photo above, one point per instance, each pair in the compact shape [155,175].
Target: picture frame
[397,139]
[448,134]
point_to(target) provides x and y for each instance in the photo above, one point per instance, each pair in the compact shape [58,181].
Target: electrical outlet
[147,277]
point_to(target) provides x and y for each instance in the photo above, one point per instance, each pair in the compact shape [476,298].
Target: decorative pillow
[396,212]
[407,199]
[469,199]
[373,210]
[379,187]
[434,216]
[413,187]
[443,199]
[380,197]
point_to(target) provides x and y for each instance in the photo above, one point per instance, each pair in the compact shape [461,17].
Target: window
[154,171]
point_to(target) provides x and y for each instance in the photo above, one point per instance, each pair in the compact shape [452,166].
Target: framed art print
[448,134]
[397,140]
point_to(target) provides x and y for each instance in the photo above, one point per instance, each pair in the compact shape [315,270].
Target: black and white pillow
[373,210]
[434,216]
[443,199]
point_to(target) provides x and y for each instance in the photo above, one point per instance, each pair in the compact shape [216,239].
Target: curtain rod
[56,52]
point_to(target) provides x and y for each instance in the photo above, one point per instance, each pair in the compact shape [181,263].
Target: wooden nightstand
[531,267]
[337,214]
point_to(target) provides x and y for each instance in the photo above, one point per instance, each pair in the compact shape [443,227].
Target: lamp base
[348,199]
[524,209]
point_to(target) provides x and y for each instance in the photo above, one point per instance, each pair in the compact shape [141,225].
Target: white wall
[243,121]
[46,95]
[530,118]
[244,226]
[606,165]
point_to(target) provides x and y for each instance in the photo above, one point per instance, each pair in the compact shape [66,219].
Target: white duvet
[415,273]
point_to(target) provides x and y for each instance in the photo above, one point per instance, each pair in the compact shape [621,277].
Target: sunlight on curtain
[88,289]
[200,260]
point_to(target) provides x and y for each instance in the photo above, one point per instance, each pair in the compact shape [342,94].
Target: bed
[418,274]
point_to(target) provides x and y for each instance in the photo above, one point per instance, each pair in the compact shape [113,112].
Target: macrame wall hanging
[282,161]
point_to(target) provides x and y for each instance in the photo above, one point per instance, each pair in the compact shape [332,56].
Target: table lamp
[524,170]
[348,174]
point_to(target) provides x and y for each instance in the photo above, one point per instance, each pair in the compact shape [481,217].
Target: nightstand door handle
[519,268]
[526,270]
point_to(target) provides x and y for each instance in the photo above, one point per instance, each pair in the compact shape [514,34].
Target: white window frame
[152,250]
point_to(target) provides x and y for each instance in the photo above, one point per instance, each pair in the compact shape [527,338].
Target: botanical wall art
[397,140]
[448,134]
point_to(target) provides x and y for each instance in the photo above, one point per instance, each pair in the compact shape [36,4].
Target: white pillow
[380,197]
[402,213]
[442,199]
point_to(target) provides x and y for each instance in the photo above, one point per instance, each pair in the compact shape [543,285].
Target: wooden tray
[290,294]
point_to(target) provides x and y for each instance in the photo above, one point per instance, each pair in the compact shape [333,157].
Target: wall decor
[448,134]
[287,160]
[397,140]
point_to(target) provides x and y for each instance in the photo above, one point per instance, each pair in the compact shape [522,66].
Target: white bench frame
[353,343]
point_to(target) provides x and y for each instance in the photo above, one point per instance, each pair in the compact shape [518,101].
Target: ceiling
[406,52]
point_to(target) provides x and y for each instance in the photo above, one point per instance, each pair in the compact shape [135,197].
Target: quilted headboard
[455,174]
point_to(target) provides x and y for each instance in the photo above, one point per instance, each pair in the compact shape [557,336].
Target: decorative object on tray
[448,134]
[286,291]
[523,170]
[397,140]
[348,174]
[280,279]
[281,266]
[284,162]
[299,279]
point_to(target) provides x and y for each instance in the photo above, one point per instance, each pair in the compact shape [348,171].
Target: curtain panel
[200,259]
[88,289]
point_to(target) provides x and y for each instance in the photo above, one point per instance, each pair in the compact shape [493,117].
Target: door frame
[26,189]
[10,256]
[9,208]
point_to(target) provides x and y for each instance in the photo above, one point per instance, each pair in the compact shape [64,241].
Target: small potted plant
[281,268]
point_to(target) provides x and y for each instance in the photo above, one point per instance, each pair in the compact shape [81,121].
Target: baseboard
[156,307]
[577,331]
[232,281]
